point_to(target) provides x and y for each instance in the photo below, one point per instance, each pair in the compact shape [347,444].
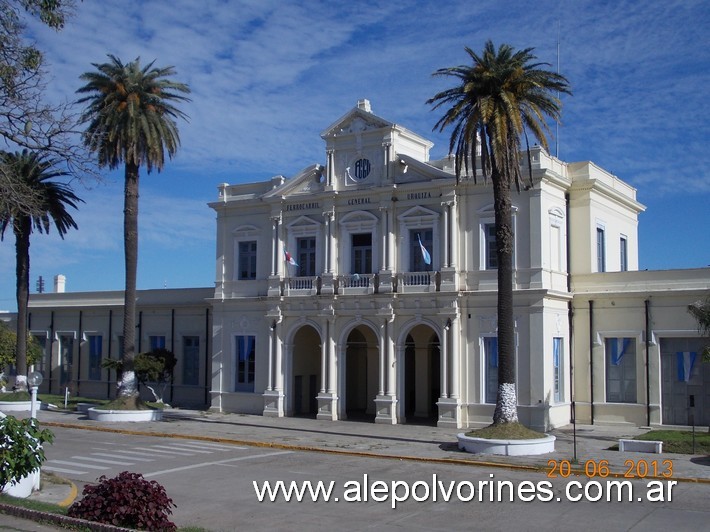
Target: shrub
[20,448]
[127,500]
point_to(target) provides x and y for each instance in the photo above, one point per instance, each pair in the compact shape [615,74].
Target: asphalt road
[213,485]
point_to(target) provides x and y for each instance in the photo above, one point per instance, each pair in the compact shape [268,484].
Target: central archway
[306,372]
[422,375]
[361,372]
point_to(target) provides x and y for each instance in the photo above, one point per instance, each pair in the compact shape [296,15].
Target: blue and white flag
[425,253]
[686,363]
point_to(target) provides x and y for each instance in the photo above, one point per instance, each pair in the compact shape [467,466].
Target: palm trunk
[22,229]
[506,401]
[128,385]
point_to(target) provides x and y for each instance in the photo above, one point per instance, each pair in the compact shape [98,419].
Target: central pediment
[356,121]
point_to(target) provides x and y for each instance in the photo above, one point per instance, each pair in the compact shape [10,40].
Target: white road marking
[60,470]
[64,462]
[219,462]
[102,460]
[162,451]
[116,455]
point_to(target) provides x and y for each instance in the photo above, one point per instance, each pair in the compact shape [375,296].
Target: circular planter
[15,406]
[125,415]
[506,447]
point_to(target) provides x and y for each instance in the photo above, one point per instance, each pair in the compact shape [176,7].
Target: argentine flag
[425,253]
[686,362]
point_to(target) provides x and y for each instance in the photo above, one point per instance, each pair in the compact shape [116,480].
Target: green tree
[8,351]
[700,310]
[131,121]
[36,172]
[26,120]
[499,99]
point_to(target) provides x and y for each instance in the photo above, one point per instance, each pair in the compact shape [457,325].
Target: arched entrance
[305,372]
[422,375]
[361,371]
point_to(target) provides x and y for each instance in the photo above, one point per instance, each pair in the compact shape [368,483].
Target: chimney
[60,282]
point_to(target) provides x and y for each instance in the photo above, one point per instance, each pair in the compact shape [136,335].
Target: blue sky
[267,77]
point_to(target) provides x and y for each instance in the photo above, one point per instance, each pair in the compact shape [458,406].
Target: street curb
[57,519]
[71,497]
[362,454]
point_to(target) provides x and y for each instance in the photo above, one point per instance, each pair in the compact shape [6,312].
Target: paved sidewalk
[408,442]
[416,442]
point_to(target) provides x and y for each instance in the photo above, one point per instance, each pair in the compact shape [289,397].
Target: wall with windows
[603,211]
[637,348]
[80,330]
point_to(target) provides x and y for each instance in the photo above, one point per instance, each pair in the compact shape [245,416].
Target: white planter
[506,447]
[125,415]
[15,406]
[24,487]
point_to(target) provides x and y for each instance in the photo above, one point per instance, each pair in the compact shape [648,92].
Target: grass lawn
[58,400]
[680,441]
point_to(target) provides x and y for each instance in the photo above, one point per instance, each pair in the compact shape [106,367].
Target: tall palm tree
[35,172]
[501,98]
[131,121]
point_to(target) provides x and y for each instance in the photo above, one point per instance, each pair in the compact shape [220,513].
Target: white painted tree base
[97,414]
[24,487]
[506,447]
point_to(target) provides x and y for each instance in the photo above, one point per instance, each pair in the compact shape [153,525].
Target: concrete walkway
[590,444]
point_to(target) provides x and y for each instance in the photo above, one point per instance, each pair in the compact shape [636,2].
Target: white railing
[301,285]
[357,280]
[416,278]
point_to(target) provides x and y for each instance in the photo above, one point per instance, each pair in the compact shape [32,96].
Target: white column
[272,346]
[330,171]
[277,247]
[443,360]
[383,355]
[384,224]
[447,236]
[332,368]
[391,382]
[455,359]
[324,359]
[328,247]
[278,365]
[453,231]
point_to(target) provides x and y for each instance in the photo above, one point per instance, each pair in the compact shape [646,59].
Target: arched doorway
[305,372]
[422,375]
[361,372]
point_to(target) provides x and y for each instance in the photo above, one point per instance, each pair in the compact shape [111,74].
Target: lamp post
[34,379]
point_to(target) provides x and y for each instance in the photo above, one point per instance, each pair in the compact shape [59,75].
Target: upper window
[491,257]
[306,256]
[420,248]
[601,250]
[489,240]
[623,254]
[247,260]
[361,253]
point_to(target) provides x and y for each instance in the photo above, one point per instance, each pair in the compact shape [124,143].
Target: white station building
[365,288]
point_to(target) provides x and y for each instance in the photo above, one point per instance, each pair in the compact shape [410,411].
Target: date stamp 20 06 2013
[638,469]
